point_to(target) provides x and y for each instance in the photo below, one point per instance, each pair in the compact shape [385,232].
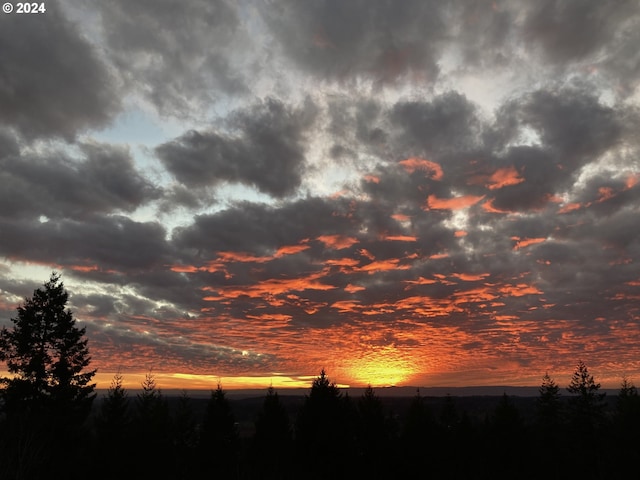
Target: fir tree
[49,396]
[219,438]
[587,404]
[272,440]
[548,404]
[48,356]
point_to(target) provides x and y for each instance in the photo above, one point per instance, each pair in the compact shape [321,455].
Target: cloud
[264,149]
[113,242]
[55,185]
[341,41]
[52,83]
[180,57]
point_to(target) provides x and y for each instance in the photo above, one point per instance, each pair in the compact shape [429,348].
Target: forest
[52,424]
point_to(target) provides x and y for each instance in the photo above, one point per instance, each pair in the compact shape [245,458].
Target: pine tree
[48,356]
[587,404]
[49,396]
[219,438]
[374,435]
[627,413]
[114,412]
[586,417]
[323,427]
[113,430]
[548,404]
[272,441]
[152,430]
[185,438]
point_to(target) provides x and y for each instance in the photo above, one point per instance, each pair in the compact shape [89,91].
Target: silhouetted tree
[323,428]
[627,425]
[448,451]
[47,354]
[47,400]
[418,436]
[507,440]
[272,441]
[114,412]
[548,422]
[219,437]
[113,429]
[185,438]
[548,404]
[152,428]
[587,404]
[374,436]
[586,418]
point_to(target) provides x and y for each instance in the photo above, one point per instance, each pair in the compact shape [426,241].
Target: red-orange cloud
[456,203]
[414,163]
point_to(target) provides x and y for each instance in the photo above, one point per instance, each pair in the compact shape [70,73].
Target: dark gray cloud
[52,82]
[345,40]
[106,242]
[264,148]
[53,184]
[179,56]
[571,30]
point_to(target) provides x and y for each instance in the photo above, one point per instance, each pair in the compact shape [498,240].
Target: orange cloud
[84,268]
[401,217]
[520,290]
[291,249]
[421,281]
[337,242]
[604,194]
[353,288]
[456,203]
[467,277]
[414,163]
[342,262]
[504,177]
[570,207]
[344,306]
[525,242]
[401,238]
[632,180]
[272,317]
[490,208]
[184,268]
[460,233]
[242,257]
[382,266]
[371,178]
[273,286]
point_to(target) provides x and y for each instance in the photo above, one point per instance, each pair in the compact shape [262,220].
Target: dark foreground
[327,434]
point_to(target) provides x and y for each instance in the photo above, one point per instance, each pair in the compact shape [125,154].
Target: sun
[382,367]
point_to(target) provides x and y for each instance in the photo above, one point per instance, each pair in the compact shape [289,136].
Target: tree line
[52,427]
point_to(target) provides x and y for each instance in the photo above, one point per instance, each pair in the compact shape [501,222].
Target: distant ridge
[489,391]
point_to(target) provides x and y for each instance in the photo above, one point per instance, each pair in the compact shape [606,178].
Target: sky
[416,192]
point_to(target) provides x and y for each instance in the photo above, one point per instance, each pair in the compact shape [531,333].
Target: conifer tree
[548,404]
[113,429]
[48,356]
[219,437]
[48,397]
[272,441]
[152,429]
[322,427]
[374,436]
[587,404]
